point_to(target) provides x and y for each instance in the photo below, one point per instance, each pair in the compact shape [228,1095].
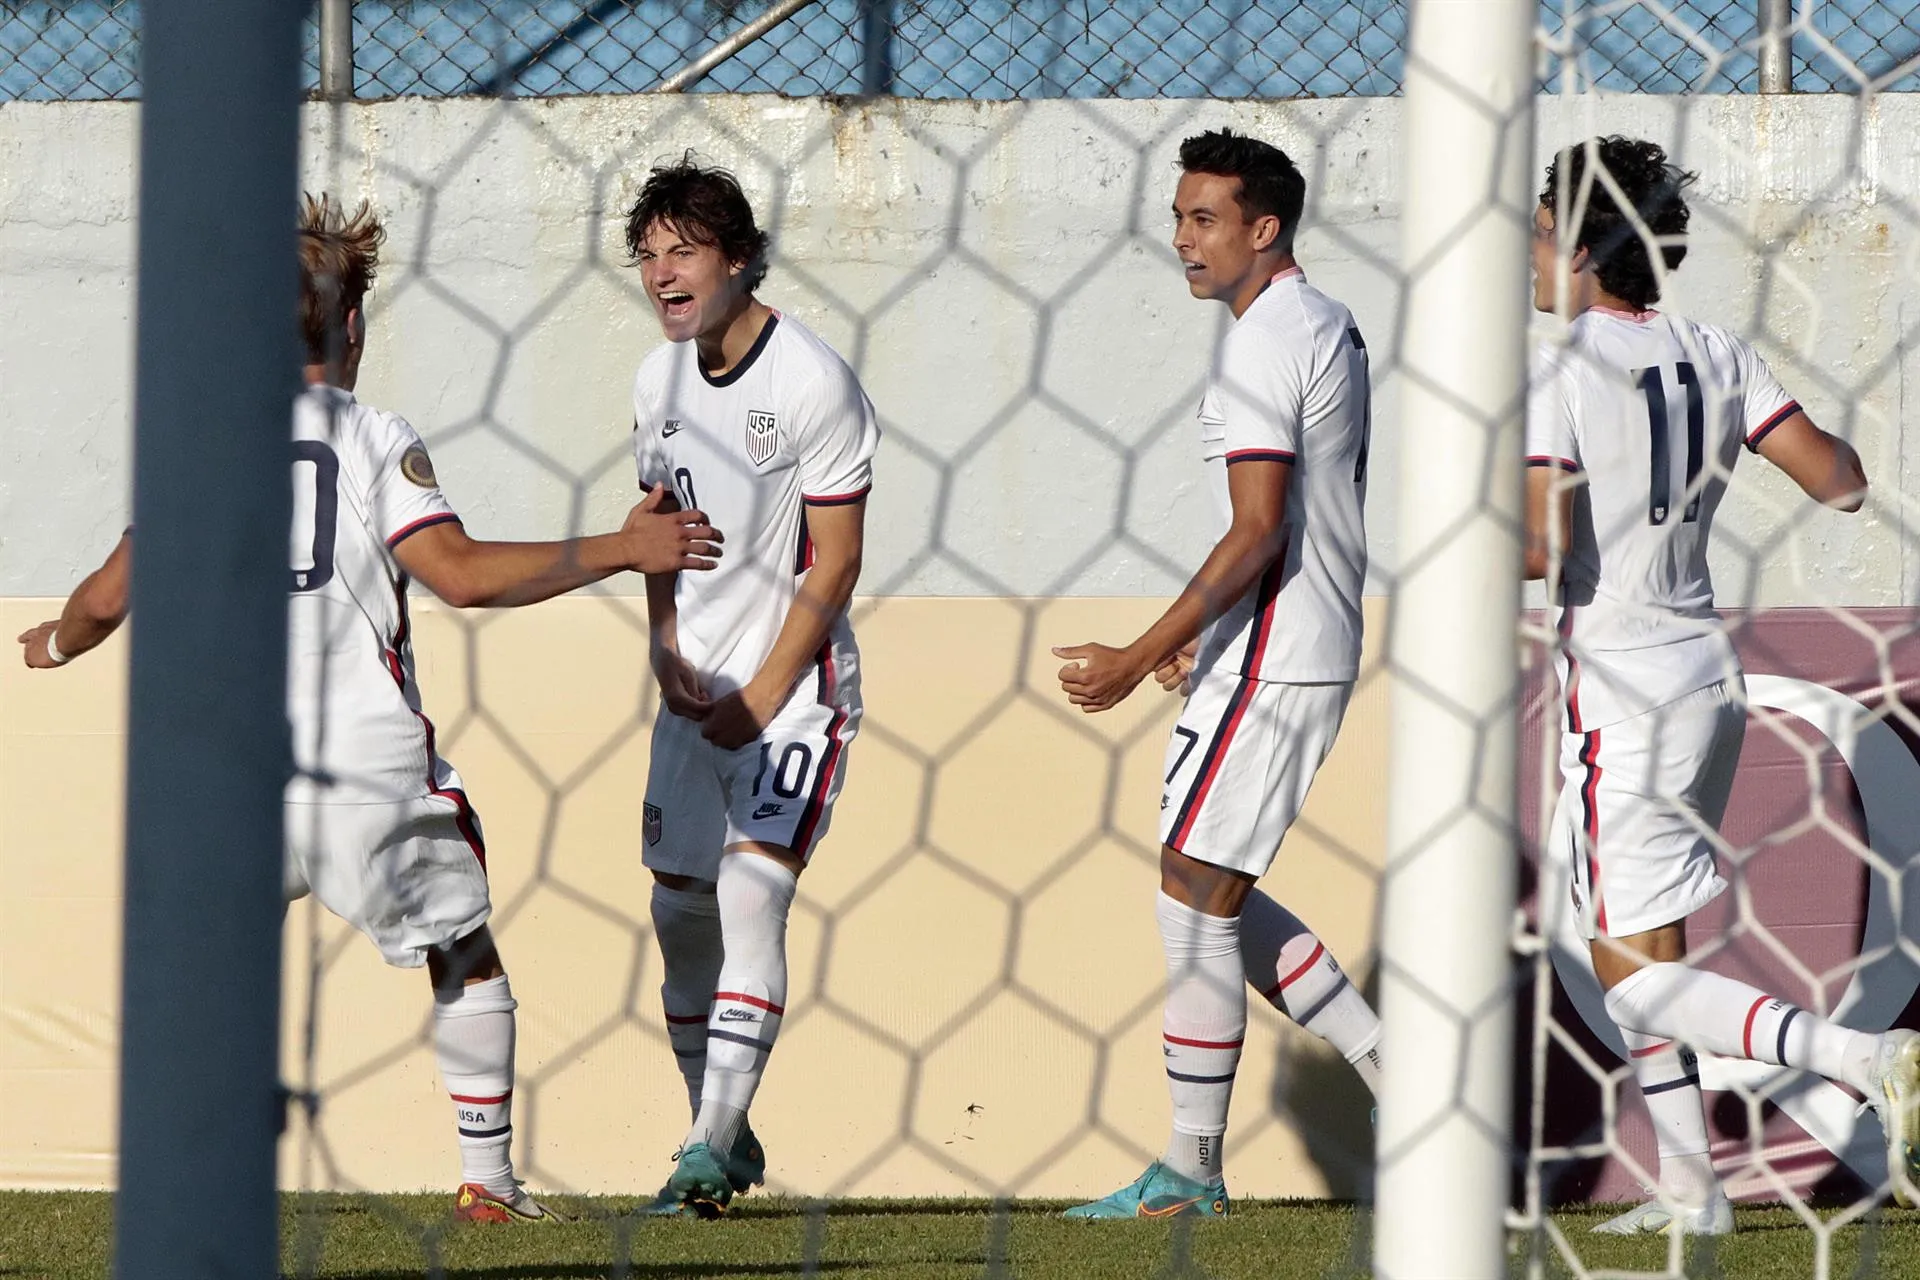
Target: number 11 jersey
[1648,413]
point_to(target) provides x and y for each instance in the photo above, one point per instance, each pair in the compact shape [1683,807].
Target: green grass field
[64,1235]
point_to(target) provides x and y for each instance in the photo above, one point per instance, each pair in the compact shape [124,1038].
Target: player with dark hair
[745,413]
[1266,640]
[1634,425]
[378,826]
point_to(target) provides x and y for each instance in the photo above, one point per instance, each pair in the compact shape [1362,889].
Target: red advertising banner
[1824,821]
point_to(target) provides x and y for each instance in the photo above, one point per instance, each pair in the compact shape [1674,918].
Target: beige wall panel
[975,973]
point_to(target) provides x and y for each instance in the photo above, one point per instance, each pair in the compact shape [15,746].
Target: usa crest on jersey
[762,435]
[650,823]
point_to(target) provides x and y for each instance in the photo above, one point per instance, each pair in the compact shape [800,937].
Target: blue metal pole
[216,370]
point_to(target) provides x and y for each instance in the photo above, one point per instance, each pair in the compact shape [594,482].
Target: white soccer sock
[1205,1025]
[1296,974]
[1677,1002]
[1670,1082]
[687,926]
[755,894]
[473,1033]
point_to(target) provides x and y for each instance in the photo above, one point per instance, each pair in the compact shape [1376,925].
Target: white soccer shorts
[410,874]
[778,790]
[1638,805]
[1239,765]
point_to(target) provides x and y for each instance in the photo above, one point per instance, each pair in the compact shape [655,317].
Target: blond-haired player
[378,825]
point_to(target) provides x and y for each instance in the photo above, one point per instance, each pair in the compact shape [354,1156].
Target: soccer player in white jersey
[1633,427]
[1267,638]
[746,414]
[378,825]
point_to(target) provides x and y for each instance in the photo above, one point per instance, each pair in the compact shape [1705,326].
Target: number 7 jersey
[1647,414]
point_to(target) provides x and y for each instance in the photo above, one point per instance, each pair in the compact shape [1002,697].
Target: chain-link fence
[89,49]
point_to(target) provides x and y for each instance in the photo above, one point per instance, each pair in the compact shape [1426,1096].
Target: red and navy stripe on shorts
[463,815]
[823,777]
[1590,821]
[1258,634]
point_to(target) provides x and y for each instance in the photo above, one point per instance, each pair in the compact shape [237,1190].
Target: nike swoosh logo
[1146,1211]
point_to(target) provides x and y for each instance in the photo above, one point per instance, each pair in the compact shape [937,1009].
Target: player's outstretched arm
[1549,516]
[469,574]
[839,539]
[1826,467]
[1099,677]
[93,612]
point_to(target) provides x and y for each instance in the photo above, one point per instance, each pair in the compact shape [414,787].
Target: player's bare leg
[473,1037]
[1652,991]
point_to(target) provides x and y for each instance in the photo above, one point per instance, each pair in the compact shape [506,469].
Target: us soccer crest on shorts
[762,435]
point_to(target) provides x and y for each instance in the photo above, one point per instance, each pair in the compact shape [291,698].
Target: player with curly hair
[1634,424]
[744,412]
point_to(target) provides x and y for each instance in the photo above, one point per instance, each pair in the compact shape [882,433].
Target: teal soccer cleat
[1159,1193]
[698,1185]
[746,1163]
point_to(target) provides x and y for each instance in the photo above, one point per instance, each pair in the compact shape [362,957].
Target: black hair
[706,205]
[1653,186]
[1270,183]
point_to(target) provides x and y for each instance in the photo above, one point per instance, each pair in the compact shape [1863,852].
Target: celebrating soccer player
[1633,429]
[378,825]
[745,413]
[1267,639]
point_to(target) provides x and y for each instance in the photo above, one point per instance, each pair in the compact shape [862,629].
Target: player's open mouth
[676,303]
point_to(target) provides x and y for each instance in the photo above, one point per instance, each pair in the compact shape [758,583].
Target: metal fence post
[1776,46]
[336,50]
[216,368]
[876,47]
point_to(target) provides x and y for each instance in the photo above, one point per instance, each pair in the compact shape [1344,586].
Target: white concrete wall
[997,271]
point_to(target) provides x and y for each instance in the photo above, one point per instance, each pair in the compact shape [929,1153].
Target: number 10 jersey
[362,483]
[1647,415]
[786,428]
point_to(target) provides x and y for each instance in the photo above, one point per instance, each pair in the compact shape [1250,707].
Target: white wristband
[54,655]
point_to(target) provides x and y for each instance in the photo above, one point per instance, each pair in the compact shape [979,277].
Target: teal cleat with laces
[699,1185]
[1159,1193]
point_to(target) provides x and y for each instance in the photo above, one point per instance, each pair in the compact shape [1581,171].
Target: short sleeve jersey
[1647,414]
[1290,383]
[362,484]
[786,428]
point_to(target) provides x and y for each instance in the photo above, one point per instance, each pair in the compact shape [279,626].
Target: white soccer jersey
[788,426]
[1650,411]
[1290,383]
[362,483]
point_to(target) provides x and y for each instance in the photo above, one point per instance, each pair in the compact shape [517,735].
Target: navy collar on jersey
[738,371]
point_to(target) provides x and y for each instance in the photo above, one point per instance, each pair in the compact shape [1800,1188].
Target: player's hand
[679,685]
[737,719]
[34,646]
[668,541]
[1172,674]
[1098,677]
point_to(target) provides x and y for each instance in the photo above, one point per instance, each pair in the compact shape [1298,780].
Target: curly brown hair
[706,205]
[1656,190]
[339,256]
